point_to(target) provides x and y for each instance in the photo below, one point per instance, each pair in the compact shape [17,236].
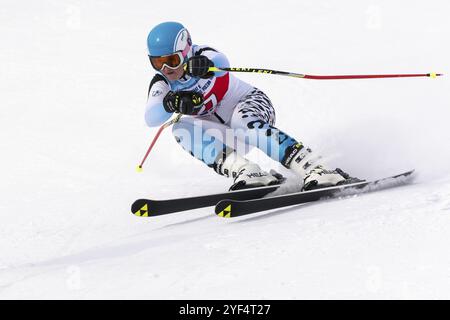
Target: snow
[74,77]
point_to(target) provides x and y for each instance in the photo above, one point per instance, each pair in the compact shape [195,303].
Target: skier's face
[173,74]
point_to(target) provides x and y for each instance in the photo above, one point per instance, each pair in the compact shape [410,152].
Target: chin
[172,77]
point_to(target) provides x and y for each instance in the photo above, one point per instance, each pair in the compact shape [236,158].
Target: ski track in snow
[73,131]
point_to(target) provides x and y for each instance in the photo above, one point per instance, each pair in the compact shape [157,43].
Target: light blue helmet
[167,38]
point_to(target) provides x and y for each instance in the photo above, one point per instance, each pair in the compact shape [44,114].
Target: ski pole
[165,125]
[326,77]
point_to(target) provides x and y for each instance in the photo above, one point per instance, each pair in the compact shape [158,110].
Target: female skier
[217,103]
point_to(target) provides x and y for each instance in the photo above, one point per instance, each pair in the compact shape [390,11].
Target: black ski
[230,208]
[150,207]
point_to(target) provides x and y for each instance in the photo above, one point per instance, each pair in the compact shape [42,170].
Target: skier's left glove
[184,102]
[198,66]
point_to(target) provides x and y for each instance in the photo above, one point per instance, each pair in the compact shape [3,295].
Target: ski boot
[319,177]
[315,176]
[246,174]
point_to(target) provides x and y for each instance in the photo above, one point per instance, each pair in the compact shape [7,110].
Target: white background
[74,78]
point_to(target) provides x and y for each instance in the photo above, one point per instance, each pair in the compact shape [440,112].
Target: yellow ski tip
[142,212]
[139,169]
[225,213]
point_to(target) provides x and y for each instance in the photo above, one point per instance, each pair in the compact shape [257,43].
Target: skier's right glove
[184,102]
[198,66]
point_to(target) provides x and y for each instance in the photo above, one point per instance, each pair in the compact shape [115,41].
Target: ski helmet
[167,38]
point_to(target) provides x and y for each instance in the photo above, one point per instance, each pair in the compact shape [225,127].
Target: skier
[215,103]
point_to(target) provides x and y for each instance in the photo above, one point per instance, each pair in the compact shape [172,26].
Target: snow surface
[74,77]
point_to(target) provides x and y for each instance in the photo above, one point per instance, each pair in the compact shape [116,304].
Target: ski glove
[184,102]
[198,66]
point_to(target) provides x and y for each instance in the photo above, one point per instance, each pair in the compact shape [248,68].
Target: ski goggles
[171,61]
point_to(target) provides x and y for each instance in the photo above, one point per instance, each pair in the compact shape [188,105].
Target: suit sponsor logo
[156,93]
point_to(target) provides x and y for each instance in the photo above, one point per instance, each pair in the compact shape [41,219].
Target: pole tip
[139,168]
[434,75]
